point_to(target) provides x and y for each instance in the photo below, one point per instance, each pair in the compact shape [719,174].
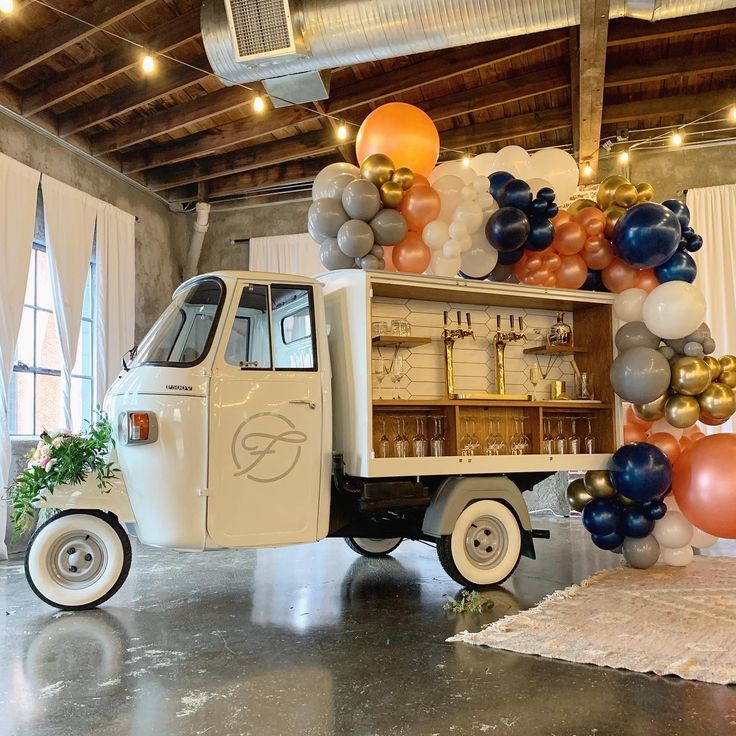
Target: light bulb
[342,132]
[466,161]
[676,138]
[733,112]
[148,64]
[6,6]
[587,169]
[623,157]
[258,104]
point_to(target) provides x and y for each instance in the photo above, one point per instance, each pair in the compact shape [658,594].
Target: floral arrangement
[61,458]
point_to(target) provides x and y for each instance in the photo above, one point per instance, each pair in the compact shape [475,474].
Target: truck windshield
[183,333]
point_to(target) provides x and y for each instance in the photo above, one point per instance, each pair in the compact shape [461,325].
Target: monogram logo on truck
[266,447]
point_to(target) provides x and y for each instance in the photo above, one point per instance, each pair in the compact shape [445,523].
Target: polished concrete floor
[315,641]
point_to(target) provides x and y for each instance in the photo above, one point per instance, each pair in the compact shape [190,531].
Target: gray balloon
[667,351]
[636,335]
[641,553]
[709,345]
[355,238]
[640,375]
[699,336]
[694,349]
[369,263]
[361,200]
[325,217]
[319,239]
[389,227]
[377,251]
[332,257]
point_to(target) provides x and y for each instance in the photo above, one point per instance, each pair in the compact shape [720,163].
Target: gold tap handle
[498,321]
[447,320]
[511,322]
[521,324]
[467,319]
[459,318]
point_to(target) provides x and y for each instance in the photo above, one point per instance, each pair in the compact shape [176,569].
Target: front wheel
[78,559]
[369,547]
[484,547]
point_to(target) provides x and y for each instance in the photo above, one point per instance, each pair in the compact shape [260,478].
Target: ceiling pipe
[201,225]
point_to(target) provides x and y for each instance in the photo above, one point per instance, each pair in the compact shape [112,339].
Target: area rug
[667,620]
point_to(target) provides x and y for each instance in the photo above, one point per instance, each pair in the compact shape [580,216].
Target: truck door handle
[311,404]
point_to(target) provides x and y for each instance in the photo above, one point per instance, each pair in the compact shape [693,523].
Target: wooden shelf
[428,403]
[381,340]
[554,350]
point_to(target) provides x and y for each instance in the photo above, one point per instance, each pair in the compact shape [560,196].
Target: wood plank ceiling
[182,133]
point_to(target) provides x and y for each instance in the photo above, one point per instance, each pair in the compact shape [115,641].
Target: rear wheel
[78,559]
[369,547]
[484,547]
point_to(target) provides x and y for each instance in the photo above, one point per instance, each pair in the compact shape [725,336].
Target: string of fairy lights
[673,136]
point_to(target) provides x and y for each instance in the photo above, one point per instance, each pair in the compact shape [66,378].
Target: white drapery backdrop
[69,218]
[296,254]
[713,215]
[18,195]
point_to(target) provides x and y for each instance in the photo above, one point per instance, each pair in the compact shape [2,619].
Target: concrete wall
[158,251]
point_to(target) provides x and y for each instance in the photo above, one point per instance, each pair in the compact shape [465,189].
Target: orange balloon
[420,205]
[694,434]
[704,484]
[402,132]
[420,180]
[388,257]
[561,217]
[646,280]
[552,261]
[634,433]
[550,281]
[572,272]
[667,443]
[592,220]
[631,418]
[600,257]
[619,276]
[534,263]
[569,238]
[411,255]
[685,442]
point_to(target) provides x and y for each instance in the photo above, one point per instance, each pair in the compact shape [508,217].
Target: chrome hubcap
[486,542]
[77,559]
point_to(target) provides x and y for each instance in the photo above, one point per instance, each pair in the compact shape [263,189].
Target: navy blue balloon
[510,257]
[635,522]
[608,541]
[497,181]
[552,210]
[594,281]
[640,471]
[547,194]
[538,207]
[655,510]
[515,193]
[646,235]
[681,267]
[474,278]
[541,233]
[507,229]
[695,244]
[688,233]
[601,516]
[680,210]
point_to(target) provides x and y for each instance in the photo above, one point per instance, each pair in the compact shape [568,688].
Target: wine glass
[397,369]
[489,444]
[437,440]
[466,442]
[379,371]
[525,439]
[384,446]
[535,376]
[420,443]
[560,443]
[573,442]
[498,439]
[548,442]
[589,439]
[517,438]
[401,441]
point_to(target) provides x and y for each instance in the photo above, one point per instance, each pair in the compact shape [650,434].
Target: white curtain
[295,254]
[69,216]
[18,193]
[115,270]
[713,215]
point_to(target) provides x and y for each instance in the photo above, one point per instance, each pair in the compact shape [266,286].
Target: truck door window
[292,310]
[249,344]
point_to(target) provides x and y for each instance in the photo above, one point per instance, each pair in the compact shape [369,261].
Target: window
[293,318]
[249,344]
[35,399]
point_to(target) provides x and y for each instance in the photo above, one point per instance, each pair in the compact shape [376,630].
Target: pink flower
[45,460]
[49,465]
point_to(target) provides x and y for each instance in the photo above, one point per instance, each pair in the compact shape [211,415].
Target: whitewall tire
[78,559]
[484,547]
[369,547]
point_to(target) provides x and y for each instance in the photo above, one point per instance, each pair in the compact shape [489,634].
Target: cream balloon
[452,168]
[435,234]
[470,214]
[673,530]
[701,539]
[481,184]
[483,164]
[469,193]
[676,557]
[559,168]
[674,309]
[515,160]
[486,203]
[628,304]
[449,188]
[441,266]
[458,230]
[535,184]
[451,249]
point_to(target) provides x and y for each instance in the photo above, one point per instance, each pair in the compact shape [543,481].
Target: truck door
[266,416]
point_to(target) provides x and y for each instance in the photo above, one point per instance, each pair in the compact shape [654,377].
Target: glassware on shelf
[584,386]
[535,376]
[560,442]
[498,440]
[517,438]
[589,439]
[548,440]
[526,440]
[401,441]
[379,328]
[379,369]
[384,446]
[420,444]
[398,368]
[573,441]
[560,334]
[400,328]
[470,443]
[437,440]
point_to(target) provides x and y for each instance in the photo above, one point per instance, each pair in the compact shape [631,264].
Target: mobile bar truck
[266,410]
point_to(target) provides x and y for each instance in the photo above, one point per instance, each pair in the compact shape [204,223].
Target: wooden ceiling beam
[575,88]
[626,31]
[120,59]
[40,45]
[171,78]
[592,68]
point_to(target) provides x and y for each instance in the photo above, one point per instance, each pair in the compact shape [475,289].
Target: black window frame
[310,291]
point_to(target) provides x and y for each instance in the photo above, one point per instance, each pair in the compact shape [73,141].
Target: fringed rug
[667,620]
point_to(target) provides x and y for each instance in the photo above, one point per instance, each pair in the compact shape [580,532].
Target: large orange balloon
[704,484]
[598,252]
[572,272]
[411,255]
[561,217]
[388,257]
[402,132]
[667,443]
[420,205]
[592,220]
[619,276]
[646,280]
[634,433]
[569,238]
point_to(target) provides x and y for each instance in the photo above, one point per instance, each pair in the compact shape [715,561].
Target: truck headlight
[138,428]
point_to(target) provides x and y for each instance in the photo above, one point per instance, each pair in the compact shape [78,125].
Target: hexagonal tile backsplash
[424,365]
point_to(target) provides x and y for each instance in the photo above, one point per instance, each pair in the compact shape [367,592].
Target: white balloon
[676,557]
[670,502]
[469,193]
[481,184]
[515,160]
[535,184]
[322,182]
[449,188]
[628,304]
[448,183]
[451,249]
[470,214]
[673,530]
[458,230]
[441,266]
[701,539]
[465,244]
[453,168]
[486,202]
[435,234]
[480,259]
[674,309]
[484,164]
[559,168]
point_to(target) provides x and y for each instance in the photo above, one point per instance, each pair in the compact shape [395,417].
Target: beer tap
[501,339]
[449,336]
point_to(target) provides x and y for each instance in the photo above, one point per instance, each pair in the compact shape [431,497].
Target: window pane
[292,311]
[24,347]
[48,349]
[81,402]
[43,283]
[87,305]
[83,363]
[30,285]
[49,404]
[249,344]
[21,403]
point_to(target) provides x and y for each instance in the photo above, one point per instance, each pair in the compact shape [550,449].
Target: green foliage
[61,459]
[469,602]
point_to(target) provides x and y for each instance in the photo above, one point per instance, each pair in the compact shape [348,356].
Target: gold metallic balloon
[606,189]
[612,214]
[717,402]
[645,192]
[579,204]
[690,376]
[377,168]
[624,501]
[714,365]
[682,411]
[728,377]
[391,194]
[577,495]
[403,176]
[652,410]
[728,362]
[598,484]
[625,195]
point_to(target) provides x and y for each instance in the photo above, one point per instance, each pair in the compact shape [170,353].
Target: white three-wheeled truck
[253,415]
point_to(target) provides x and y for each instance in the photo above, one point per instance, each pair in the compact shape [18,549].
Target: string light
[466,161]
[342,132]
[258,104]
[6,6]
[733,112]
[587,169]
[623,157]
[676,138]
[148,64]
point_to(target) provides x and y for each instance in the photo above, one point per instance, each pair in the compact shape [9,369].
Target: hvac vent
[260,28]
